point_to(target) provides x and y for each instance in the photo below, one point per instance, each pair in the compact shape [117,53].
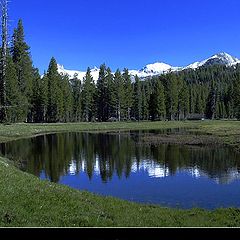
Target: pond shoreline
[181,139]
[110,164]
[40,203]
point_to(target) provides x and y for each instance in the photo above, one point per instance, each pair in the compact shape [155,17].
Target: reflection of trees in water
[111,154]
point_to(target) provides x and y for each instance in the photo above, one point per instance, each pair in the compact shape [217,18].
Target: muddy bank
[180,139]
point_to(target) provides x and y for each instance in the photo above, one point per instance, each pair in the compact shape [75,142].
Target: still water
[116,164]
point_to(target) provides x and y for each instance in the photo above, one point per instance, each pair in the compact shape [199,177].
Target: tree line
[212,92]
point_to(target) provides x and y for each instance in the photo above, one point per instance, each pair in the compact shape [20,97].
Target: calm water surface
[116,164]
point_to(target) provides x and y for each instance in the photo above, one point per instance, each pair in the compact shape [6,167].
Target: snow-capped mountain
[220,58]
[148,71]
[159,68]
[79,74]
[154,69]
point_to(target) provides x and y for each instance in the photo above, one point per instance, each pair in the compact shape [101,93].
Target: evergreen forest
[211,92]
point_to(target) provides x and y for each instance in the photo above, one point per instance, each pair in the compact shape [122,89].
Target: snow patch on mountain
[154,69]
[79,74]
[220,58]
[158,68]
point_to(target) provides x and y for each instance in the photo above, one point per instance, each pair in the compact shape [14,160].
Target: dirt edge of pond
[180,139]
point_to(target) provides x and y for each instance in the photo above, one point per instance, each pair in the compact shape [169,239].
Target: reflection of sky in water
[154,170]
[146,184]
[152,183]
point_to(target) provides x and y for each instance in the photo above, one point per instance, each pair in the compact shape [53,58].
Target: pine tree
[172,93]
[60,99]
[137,105]
[183,103]
[55,97]
[13,96]
[146,95]
[229,100]
[192,99]
[128,94]
[110,95]
[77,99]
[67,93]
[212,102]
[119,95]
[236,98]
[44,96]
[113,96]
[24,67]
[145,103]
[38,99]
[199,104]
[88,95]
[102,95]
[157,102]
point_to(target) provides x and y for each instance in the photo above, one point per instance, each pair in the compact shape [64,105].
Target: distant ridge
[159,68]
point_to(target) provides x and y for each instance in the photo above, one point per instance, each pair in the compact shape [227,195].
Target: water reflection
[117,164]
[106,154]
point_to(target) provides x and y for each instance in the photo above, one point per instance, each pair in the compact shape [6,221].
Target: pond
[117,164]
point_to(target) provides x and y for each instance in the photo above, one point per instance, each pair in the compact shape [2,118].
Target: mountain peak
[226,58]
[222,54]
[156,67]
[221,58]
[159,68]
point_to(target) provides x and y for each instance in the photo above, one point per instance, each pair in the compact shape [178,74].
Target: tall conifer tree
[157,103]
[38,98]
[212,102]
[14,111]
[24,67]
[128,94]
[77,99]
[88,94]
[55,98]
[183,103]
[120,96]
[67,93]
[172,94]
[236,98]
[102,95]
[137,109]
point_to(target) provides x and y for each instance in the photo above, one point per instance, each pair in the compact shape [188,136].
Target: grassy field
[27,201]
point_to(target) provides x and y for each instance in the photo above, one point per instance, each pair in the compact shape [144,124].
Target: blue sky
[127,33]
